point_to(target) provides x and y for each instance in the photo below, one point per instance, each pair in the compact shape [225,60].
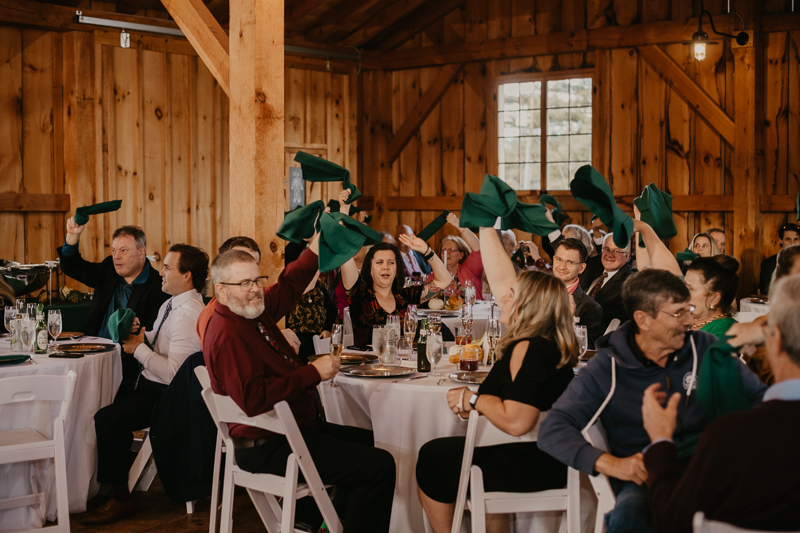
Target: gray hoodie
[560,433]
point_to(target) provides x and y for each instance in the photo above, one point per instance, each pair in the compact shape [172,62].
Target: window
[544,132]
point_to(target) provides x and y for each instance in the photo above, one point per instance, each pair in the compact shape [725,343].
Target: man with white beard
[249,360]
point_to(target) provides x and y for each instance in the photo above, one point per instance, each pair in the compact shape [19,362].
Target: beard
[247,306]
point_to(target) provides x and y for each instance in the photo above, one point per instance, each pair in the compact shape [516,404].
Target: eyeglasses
[680,314]
[567,262]
[610,251]
[247,284]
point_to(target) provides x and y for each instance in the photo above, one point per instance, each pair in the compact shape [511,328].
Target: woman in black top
[535,360]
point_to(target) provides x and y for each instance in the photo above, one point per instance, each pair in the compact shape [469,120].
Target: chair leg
[478,508]
[289,495]
[212,522]
[190,507]
[60,463]
[267,507]
[141,464]
[226,519]
[573,514]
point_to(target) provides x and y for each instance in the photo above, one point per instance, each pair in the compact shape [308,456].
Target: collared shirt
[571,288]
[609,275]
[410,261]
[788,391]
[177,338]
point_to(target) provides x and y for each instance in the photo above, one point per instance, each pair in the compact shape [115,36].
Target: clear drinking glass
[434,323]
[469,292]
[466,320]
[583,340]
[20,303]
[32,311]
[403,349]
[54,327]
[435,350]
[410,331]
[10,314]
[13,330]
[493,337]
[379,340]
[390,355]
[337,345]
[27,332]
[393,322]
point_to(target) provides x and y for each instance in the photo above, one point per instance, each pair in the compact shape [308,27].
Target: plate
[13,359]
[69,334]
[473,378]
[442,312]
[85,347]
[357,359]
[755,300]
[377,371]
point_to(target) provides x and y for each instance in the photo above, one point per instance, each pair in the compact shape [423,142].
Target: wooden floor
[157,512]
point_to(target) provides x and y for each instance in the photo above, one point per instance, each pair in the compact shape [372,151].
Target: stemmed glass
[409,330]
[379,340]
[54,328]
[435,350]
[583,340]
[337,345]
[434,323]
[493,336]
[466,321]
[10,314]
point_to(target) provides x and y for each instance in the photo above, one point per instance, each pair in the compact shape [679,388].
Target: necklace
[710,320]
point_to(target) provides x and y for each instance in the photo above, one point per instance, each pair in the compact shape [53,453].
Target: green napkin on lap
[656,208]
[430,230]
[719,388]
[120,325]
[686,255]
[558,209]
[591,189]
[301,223]
[82,213]
[338,243]
[318,169]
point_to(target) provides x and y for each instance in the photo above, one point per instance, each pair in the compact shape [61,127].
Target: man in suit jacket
[569,260]
[125,279]
[603,280]
[412,261]
[789,235]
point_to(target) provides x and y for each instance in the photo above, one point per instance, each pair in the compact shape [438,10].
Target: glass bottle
[423,364]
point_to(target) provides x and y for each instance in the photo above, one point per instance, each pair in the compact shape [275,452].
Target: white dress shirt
[177,339]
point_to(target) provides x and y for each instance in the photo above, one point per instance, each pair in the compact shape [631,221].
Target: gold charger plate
[377,371]
[473,378]
[69,334]
[85,347]
[357,359]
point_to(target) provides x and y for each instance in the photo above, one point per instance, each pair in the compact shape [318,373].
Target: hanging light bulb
[700,51]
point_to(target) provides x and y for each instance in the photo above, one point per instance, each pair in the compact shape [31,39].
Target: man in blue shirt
[125,279]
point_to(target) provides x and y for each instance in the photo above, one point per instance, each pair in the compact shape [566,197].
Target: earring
[711,307]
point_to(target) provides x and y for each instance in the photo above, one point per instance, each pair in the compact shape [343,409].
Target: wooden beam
[421,111]
[436,13]
[298,11]
[778,203]
[11,202]
[381,21]
[342,15]
[60,18]
[206,36]
[664,32]
[257,126]
[684,203]
[708,109]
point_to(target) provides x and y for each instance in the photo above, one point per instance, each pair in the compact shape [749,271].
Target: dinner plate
[357,359]
[442,312]
[473,378]
[69,334]
[84,347]
[756,300]
[13,359]
[376,371]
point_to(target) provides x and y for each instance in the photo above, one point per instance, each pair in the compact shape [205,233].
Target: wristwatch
[473,400]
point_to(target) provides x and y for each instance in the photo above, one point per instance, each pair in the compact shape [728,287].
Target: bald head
[402,229]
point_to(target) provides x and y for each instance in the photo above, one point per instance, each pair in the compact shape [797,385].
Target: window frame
[544,77]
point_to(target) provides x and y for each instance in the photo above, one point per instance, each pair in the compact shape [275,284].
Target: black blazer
[768,266]
[145,300]
[610,296]
[590,313]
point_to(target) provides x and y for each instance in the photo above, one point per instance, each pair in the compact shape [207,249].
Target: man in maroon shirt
[249,360]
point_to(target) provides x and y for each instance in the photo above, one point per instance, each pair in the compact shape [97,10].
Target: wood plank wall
[81,116]
[644,130]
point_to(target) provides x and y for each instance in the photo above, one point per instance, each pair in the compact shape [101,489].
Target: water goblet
[466,320]
[434,348]
[434,323]
[54,328]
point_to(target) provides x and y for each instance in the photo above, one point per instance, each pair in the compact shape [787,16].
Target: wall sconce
[700,42]
[125,39]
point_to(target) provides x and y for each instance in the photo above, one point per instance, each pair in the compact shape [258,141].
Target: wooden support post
[745,168]
[257,127]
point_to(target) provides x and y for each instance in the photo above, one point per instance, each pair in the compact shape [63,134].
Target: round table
[746,305]
[98,378]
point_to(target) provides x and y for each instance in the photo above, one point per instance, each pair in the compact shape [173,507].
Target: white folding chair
[606,499]
[700,524]
[612,326]
[143,470]
[263,488]
[481,432]
[321,345]
[26,444]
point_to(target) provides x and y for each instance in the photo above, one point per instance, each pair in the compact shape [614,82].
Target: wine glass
[434,323]
[493,337]
[20,304]
[27,332]
[379,340]
[435,350]
[10,314]
[410,331]
[469,292]
[412,310]
[466,321]
[337,345]
[54,327]
[32,311]
[583,340]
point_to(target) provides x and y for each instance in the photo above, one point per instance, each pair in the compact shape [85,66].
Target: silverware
[409,379]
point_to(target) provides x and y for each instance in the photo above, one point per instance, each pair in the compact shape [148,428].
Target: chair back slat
[39,389]
[487,434]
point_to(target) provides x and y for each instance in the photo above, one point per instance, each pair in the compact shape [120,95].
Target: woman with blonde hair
[533,368]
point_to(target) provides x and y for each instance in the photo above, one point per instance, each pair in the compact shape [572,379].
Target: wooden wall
[644,129]
[149,124]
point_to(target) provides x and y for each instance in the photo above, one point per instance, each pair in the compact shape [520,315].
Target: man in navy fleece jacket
[655,346]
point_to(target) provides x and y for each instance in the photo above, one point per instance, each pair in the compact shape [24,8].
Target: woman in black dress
[535,360]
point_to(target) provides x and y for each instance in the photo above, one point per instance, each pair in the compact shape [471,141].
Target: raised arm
[497,265]
[658,254]
[470,238]
[441,277]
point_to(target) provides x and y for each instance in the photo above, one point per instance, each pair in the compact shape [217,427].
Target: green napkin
[656,209]
[558,209]
[497,199]
[687,255]
[301,223]
[334,205]
[338,243]
[719,388]
[318,169]
[120,325]
[430,230]
[591,189]
[82,213]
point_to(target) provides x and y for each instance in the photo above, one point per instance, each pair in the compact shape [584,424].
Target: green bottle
[423,365]
[40,342]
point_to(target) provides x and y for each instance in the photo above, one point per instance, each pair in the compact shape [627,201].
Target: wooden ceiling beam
[298,11]
[417,116]
[206,35]
[693,93]
[60,18]
[665,32]
[381,21]
[436,13]
[352,9]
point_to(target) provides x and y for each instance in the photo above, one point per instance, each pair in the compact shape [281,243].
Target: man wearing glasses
[655,346]
[605,286]
[569,260]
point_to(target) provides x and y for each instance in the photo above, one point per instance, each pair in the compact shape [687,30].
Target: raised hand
[452,219]
[74,231]
[344,208]
[414,242]
[659,422]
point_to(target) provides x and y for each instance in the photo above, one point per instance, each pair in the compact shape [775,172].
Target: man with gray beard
[249,360]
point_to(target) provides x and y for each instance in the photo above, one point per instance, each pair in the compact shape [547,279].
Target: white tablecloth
[98,378]
[748,306]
